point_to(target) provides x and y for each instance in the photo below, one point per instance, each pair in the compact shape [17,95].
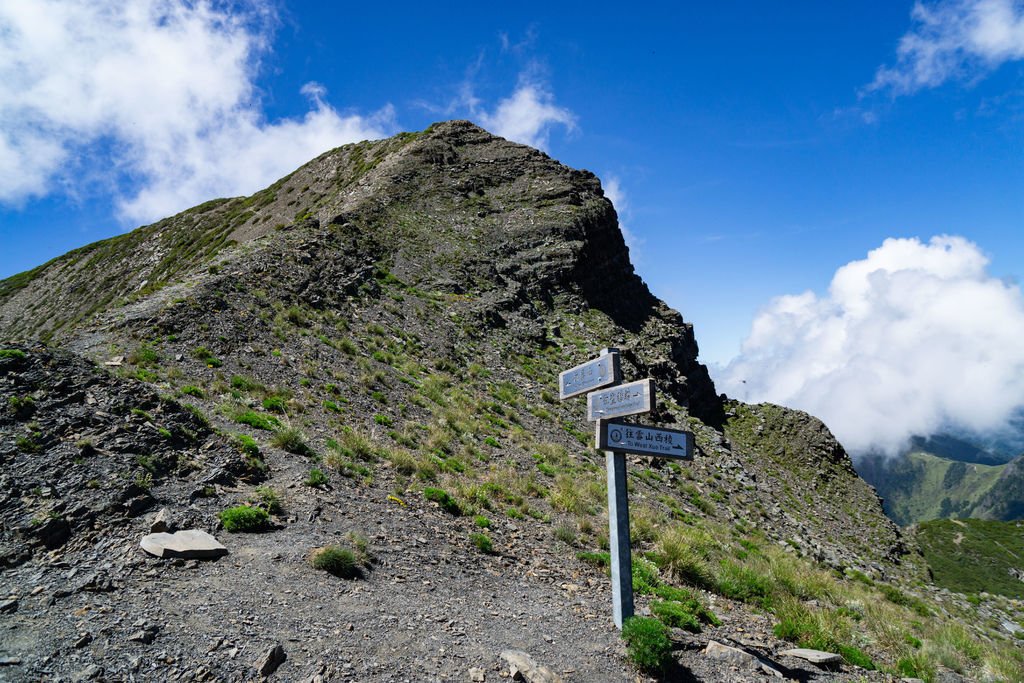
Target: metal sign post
[618,538]
[616,439]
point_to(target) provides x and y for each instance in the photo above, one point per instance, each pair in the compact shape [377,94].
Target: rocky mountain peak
[361,360]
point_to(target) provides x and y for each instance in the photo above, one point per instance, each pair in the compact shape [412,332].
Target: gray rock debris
[189,544]
[739,658]
[522,667]
[162,522]
[274,658]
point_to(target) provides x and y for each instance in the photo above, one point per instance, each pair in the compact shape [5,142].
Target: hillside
[974,555]
[920,486]
[368,351]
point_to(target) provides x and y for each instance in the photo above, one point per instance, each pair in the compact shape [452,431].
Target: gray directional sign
[621,400]
[593,374]
[644,440]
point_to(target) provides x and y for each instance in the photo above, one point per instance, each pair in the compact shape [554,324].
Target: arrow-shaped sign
[644,440]
[621,400]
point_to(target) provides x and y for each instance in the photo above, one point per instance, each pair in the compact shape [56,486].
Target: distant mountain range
[943,476]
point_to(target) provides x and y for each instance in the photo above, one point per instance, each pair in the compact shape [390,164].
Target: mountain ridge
[396,313]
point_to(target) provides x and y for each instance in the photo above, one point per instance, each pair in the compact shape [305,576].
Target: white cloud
[617,195]
[527,115]
[167,84]
[914,339]
[954,39]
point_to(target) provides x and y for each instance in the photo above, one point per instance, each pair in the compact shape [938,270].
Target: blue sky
[753,149]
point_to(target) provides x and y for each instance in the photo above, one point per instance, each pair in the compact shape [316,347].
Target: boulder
[813,656]
[190,544]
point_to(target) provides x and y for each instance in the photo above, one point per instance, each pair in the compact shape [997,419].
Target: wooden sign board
[621,400]
[593,374]
[644,440]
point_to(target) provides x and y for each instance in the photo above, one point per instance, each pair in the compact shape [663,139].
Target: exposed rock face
[90,449]
[505,229]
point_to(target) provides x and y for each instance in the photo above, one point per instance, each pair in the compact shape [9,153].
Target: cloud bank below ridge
[914,339]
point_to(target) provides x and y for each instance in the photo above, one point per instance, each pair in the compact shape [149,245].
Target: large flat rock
[813,656]
[190,544]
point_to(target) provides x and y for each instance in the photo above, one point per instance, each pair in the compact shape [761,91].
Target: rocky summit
[348,382]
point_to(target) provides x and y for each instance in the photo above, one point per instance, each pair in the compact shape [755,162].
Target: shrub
[144,355]
[342,562]
[645,576]
[27,444]
[442,498]
[268,499]
[856,657]
[403,461]
[647,642]
[13,354]
[684,555]
[291,440]
[482,522]
[316,478]
[383,420]
[566,534]
[205,355]
[744,584]
[354,445]
[247,444]
[243,518]
[346,561]
[21,406]
[482,543]
[598,559]
[257,420]
[275,404]
[675,615]
[898,597]
[190,390]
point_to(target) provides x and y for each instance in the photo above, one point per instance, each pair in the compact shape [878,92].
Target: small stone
[8,606]
[477,675]
[813,656]
[89,673]
[83,640]
[114,361]
[161,522]
[10,661]
[274,658]
[523,667]
[144,636]
[188,544]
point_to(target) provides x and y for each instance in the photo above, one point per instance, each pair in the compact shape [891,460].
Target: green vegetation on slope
[922,486]
[974,555]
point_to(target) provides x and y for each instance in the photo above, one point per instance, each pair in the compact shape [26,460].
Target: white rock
[813,656]
[190,544]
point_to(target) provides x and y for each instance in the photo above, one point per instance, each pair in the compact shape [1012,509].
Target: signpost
[617,438]
[621,400]
[593,374]
[641,440]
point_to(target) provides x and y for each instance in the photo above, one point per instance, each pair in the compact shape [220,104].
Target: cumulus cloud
[915,339]
[617,194]
[527,115]
[954,39]
[167,85]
